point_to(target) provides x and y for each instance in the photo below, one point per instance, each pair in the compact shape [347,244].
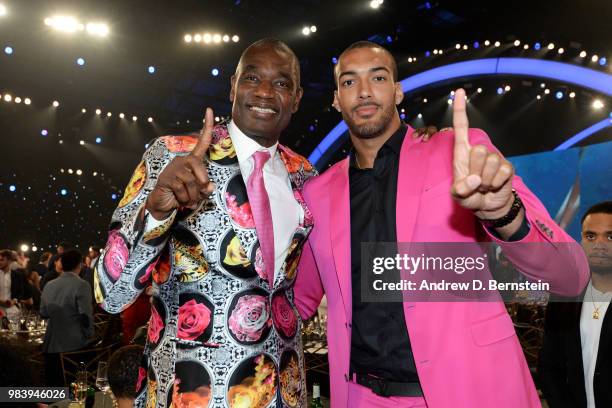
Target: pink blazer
[467,353]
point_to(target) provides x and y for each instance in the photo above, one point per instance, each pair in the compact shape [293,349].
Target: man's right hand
[184,182]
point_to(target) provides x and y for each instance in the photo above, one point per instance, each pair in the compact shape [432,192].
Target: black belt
[385,388]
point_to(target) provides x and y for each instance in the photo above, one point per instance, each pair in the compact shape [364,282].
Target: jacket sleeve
[308,289]
[547,252]
[133,247]
[85,309]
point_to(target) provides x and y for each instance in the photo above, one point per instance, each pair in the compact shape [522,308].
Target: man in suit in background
[13,288]
[67,302]
[393,188]
[575,367]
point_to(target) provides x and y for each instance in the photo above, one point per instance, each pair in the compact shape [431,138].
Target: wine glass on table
[102,379]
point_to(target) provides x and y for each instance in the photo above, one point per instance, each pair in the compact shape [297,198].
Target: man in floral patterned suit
[224,330]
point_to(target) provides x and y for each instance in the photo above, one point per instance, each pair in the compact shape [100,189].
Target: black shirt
[379,342]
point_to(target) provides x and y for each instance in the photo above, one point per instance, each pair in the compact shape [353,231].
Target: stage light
[55,104]
[449,101]
[537,46]
[34,248]
[217,38]
[109,114]
[122,115]
[594,58]
[82,143]
[8,98]
[402,116]
[517,43]
[551,46]
[560,50]
[217,119]
[98,140]
[539,97]
[8,50]
[542,85]
[151,69]
[17,100]
[44,132]
[24,248]
[63,192]
[559,95]
[427,54]
[572,94]
[500,90]
[150,119]
[597,104]
[457,46]
[313,29]
[12,188]
[134,118]
[602,61]
[435,52]
[424,100]
[27,101]
[440,52]
[207,38]
[375,4]
[452,93]
[188,38]
[79,172]
[98,111]
[235,38]
[479,90]
[65,24]
[99,29]
[583,54]
[465,47]
[83,110]
[95,173]
[197,38]
[476,44]
[214,72]
[70,171]
[497,43]
[226,38]
[547,91]
[487,43]
[2,10]
[420,116]
[335,60]
[61,141]
[306,31]
[114,196]
[507,88]
[80,61]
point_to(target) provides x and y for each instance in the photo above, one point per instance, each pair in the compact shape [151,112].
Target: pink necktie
[262,214]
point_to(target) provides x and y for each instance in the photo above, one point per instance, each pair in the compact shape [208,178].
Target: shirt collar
[394,143]
[244,145]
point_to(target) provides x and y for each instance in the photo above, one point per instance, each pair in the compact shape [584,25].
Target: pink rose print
[142,374]
[193,319]
[259,265]
[155,325]
[242,214]
[250,317]
[308,218]
[145,278]
[284,316]
[116,254]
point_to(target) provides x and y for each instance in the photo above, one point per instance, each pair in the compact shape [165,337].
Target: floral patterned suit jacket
[219,334]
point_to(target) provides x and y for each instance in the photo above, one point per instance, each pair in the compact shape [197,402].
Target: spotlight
[306,31]
[526,46]
[70,171]
[476,44]
[457,46]
[583,54]
[603,61]
[55,104]
[598,104]
[335,60]
[497,43]
[95,173]
[98,111]
[542,85]
[313,29]
[465,47]
[559,95]
[63,192]
[452,93]
[188,38]
[214,72]
[17,100]
[61,142]
[114,196]
[487,43]
[80,61]
[82,143]
[134,118]
[27,101]
[539,97]
[24,248]
[12,188]
[420,116]
[217,118]
[44,132]
[34,248]
[500,90]
[2,10]
[517,43]
[99,29]
[207,38]
[79,172]
[8,98]
[375,3]
[572,95]
[435,52]
[479,90]
[537,46]
[226,38]
[197,38]
[122,115]
[151,69]
[551,46]
[217,38]
[235,38]
[449,101]
[109,114]
[547,91]
[594,58]
[64,23]
[8,50]
[507,88]
[98,141]
[83,110]
[561,50]
[150,120]
[402,116]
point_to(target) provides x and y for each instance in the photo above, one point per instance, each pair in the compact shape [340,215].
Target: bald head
[278,46]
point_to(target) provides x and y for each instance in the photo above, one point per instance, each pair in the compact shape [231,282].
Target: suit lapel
[340,230]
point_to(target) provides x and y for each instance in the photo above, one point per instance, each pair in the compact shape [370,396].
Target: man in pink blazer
[393,188]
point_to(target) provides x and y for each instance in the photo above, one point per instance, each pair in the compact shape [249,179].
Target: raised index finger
[205,136]
[460,119]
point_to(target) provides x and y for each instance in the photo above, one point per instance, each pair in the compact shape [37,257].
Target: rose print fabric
[219,334]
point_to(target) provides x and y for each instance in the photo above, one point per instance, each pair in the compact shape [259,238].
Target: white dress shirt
[590,330]
[287,213]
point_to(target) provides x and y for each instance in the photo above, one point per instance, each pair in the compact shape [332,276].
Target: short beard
[371,130]
[601,270]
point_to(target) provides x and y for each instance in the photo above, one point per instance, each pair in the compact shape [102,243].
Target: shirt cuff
[518,235]
[156,228]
